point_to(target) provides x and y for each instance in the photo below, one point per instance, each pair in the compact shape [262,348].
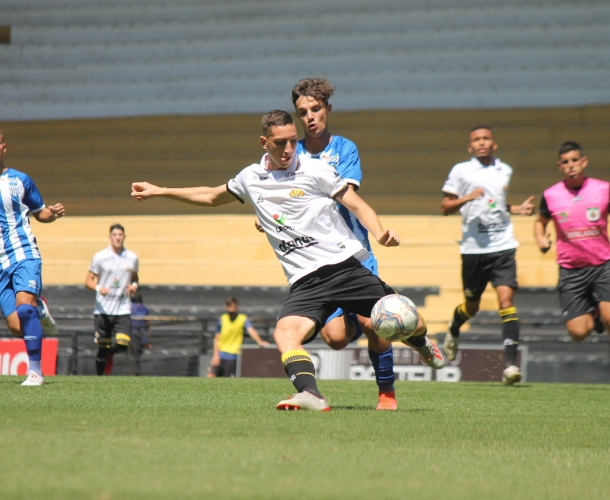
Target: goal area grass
[107,438]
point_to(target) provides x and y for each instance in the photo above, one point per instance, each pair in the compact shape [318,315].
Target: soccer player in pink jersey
[578,206]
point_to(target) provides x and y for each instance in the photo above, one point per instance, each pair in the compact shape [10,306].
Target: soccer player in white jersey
[294,199]
[477,189]
[310,98]
[20,279]
[113,275]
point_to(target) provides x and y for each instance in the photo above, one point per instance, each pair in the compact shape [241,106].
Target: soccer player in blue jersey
[310,98]
[20,279]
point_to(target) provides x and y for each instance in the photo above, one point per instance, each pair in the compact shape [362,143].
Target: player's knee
[473,307]
[26,312]
[578,335]
[337,345]
[123,340]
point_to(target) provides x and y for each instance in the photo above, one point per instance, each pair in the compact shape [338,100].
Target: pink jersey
[581,222]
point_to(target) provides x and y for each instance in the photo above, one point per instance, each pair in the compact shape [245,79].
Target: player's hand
[545,245]
[263,343]
[57,210]
[143,190]
[527,207]
[104,291]
[257,225]
[389,238]
[131,290]
[475,194]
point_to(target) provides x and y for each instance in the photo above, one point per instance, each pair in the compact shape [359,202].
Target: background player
[578,207]
[477,189]
[20,278]
[293,196]
[229,338]
[310,98]
[113,275]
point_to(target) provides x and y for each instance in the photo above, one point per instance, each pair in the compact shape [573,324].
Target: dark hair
[117,226]
[230,300]
[318,88]
[568,146]
[275,118]
[477,127]
[137,298]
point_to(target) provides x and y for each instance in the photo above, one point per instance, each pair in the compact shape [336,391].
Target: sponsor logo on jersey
[297,243]
[593,214]
[582,233]
[33,284]
[331,159]
[292,174]
[296,193]
[491,227]
[116,283]
[492,204]
[562,217]
[279,219]
[14,187]
[341,245]
[260,177]
[260,199]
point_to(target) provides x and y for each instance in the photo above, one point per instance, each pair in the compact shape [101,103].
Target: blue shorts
[371,264]
[24,276]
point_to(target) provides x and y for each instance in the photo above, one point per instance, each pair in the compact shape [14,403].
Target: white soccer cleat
[429,354]
[304,401]
[511,375]
[33,379]
[47,322]
[450,346]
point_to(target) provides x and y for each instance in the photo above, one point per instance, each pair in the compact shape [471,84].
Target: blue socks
[384,369]
[32,335]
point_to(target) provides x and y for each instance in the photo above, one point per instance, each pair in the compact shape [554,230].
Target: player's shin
[32,335]
[302,373]
[383,364]
[510,334]
[460,316]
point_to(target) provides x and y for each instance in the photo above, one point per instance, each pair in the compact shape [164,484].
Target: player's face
[2,147]
[481,143]
[117,237]
[231,309]
[572,165]
[313,115]
[281,144]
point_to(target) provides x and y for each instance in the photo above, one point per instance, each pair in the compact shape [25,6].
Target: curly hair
[318,88]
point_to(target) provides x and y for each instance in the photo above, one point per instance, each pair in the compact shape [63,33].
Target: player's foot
[304,401]
[46,320]
[33,379]
[511,375]
[429,354]
[109,364]
[450,346]
[598,324]
[387,401]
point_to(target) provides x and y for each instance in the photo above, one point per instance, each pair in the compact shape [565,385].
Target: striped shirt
[20,196]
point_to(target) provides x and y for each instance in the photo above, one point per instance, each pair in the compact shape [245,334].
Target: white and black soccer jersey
[298,214]
[486,224]
[114,272]
[19,198]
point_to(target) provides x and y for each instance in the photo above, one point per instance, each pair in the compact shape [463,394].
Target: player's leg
[338,331]
[102,325]
[504,280]
[601,294]
[575,288]
[121,326]
[474,280]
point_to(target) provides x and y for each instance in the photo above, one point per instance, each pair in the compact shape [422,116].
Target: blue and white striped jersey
[342,154]
[20,196]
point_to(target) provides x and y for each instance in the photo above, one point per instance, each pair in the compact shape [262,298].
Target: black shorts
[479,269]
[226,368]
[107,325]
[348,285]
[580,290]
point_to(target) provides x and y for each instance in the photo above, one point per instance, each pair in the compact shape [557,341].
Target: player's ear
[263,142]
[584,161]
[329,107]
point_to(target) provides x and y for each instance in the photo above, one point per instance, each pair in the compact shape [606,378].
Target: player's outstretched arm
[544,243]
[50,214]
[202,195]
[367,217]
[526,208]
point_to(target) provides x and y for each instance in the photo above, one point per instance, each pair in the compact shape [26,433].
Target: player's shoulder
[344,144]
[17,174]
[307,162]
[102,254]
[130,254]
[462,166]
[503,166]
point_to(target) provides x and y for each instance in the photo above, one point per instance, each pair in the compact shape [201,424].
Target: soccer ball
[394,317]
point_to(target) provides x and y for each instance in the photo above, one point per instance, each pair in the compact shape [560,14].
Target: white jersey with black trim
[113,271]
[298,214]
[486,224]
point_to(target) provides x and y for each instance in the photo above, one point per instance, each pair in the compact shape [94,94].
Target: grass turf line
[126,437]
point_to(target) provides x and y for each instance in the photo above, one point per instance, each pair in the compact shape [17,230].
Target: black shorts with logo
[499,268]
[580,290]
[107,325]
[348,285]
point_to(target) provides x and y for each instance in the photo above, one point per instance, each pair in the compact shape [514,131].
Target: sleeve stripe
[238,198]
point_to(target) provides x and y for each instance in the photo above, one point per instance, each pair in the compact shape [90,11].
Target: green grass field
[118,437]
